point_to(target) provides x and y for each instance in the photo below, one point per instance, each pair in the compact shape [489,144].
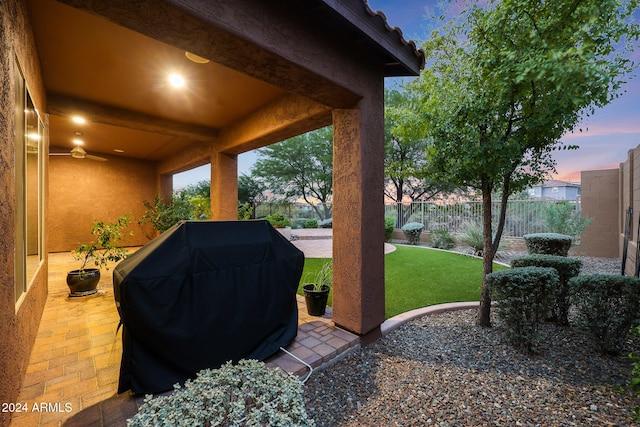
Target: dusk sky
[612,130]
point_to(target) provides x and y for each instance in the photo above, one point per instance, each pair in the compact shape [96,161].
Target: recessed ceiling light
[78,119]
[176,80]
[195,58]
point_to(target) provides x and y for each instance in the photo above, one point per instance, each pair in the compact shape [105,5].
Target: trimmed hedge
[607,308]
[566,268]
[523,297]
[412,231]
[548,243]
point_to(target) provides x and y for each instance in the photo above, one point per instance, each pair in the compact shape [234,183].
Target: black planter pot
[316,300]
[83,282]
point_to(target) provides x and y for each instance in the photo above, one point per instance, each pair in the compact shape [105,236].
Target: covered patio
[253,73]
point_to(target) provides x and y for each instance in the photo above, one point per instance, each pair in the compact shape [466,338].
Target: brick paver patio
[74,366]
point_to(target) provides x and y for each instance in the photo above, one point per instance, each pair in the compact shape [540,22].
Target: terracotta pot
[83,282]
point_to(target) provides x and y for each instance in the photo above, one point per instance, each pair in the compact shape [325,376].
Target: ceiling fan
[78,152]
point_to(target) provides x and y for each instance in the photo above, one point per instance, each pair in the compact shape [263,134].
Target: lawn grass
[418,277]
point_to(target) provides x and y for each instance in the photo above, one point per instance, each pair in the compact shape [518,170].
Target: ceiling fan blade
[98,158]
[59,154]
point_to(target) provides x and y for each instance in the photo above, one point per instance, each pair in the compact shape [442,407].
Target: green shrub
[634,384]
[607,308]
[164,214]
[563,217]
[548,243]
[412,231]
[523,297]
[473,235]
[566,268]
[389,226]
[311,223]
[278,220]
[245,211]
[327,223]
[248,393]
[441,239]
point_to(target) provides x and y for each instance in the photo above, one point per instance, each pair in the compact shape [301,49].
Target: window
[554,190]
[29,187]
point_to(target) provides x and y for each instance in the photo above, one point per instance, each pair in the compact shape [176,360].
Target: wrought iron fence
[522,216]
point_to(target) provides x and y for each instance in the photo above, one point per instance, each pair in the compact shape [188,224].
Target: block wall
[601,202]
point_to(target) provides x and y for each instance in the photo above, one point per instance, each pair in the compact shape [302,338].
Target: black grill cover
[203,293]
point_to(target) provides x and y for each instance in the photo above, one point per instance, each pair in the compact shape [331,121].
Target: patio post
[224,186]
[358,217]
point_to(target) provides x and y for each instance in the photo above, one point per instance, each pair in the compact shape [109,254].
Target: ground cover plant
[417,277]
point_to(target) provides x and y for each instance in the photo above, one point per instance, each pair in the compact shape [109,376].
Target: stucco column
[166,187]
[358,217]
[224,186]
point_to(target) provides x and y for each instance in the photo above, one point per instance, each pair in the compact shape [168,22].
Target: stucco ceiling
[118,80]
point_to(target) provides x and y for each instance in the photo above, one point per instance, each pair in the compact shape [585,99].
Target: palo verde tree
[505,81]
[300,167]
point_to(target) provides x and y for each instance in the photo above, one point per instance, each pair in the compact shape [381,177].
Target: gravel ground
[443,370]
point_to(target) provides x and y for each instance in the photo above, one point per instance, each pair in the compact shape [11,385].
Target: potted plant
[101,250]
[316,292]
[281,223]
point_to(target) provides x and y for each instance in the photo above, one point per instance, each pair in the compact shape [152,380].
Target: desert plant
[606,308]
[164,214]
[562,217]
[246,394]
[311,223]
[412,232]
[523,296]
[323,278]
[278,220]
[105,247]
[326,223]
[441,239]
[566,268]
[473,236]
[389,225]
[548,243]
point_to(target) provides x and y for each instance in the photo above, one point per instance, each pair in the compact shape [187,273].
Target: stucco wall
[629,177]
[600,201]
[83,190]
[18,328]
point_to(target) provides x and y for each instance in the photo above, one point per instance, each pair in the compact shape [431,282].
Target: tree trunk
[484,310]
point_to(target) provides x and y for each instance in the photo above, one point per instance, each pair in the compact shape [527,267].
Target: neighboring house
[554,189]
[255,73]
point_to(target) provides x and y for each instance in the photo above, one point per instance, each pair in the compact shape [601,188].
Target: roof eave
[402,57]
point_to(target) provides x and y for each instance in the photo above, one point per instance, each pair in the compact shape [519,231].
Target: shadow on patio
[73,371]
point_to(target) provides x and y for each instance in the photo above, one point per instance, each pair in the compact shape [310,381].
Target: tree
[405,162]
[199,197]
[504,82]
[250,193]
[300,167]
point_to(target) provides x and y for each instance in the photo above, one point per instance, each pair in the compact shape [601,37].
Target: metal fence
[522,216]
